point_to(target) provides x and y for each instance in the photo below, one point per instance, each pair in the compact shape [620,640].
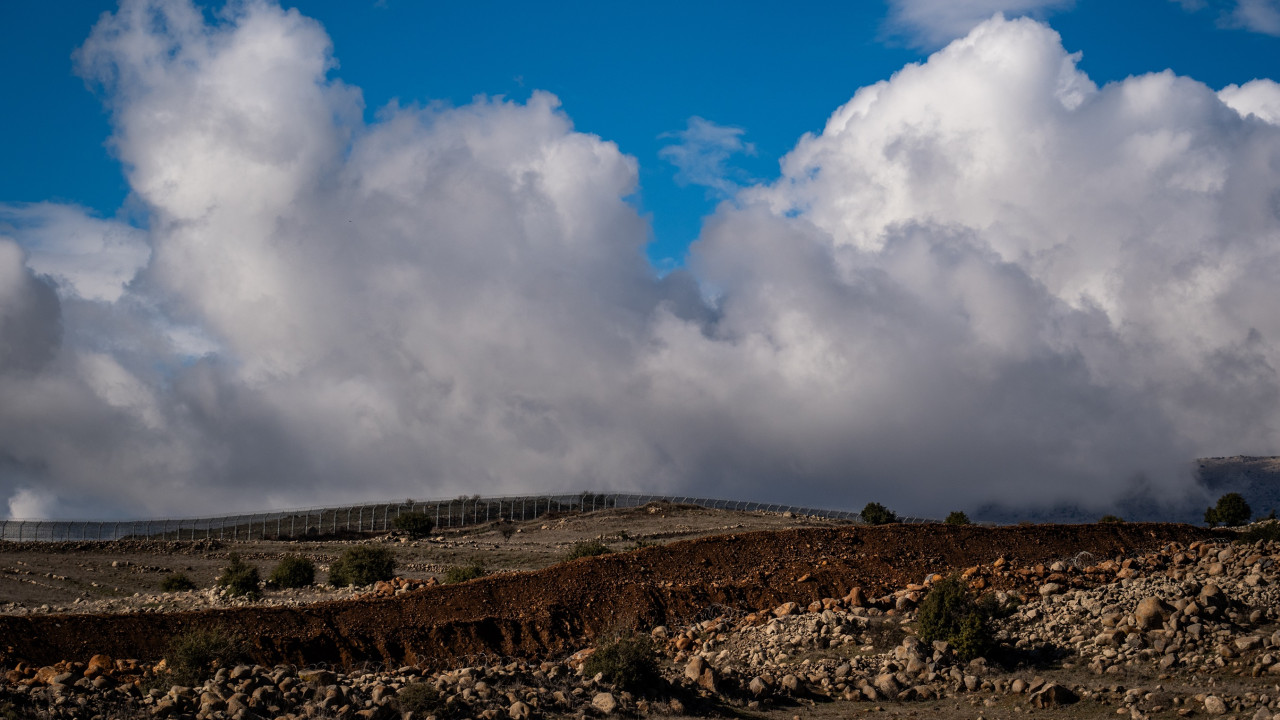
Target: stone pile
[1182,631]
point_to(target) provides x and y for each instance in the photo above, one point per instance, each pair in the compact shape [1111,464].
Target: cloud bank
[986,281]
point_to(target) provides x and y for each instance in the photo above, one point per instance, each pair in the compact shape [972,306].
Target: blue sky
[631,73]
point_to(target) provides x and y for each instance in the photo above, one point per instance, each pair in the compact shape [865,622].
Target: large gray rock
[887,685]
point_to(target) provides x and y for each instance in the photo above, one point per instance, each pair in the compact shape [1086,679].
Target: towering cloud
[986,281]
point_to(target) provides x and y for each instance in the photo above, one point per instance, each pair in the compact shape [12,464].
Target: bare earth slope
[554,610]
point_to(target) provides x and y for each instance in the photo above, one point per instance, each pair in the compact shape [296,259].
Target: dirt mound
[550,611]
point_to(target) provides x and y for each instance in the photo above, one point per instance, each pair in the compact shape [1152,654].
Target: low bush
[417,524]
[294,571]
[362,565]
[420,698]
[194,654]
[876,514]
[240,578]
[949,612]
[1231,510]
[957,518]
[629,662]
[587,548]
[177,582]
[463,573]
[1110,519]
[506,529]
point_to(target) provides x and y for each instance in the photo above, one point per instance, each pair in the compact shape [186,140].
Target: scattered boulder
[1053,695]
[1151,613]
[605,703]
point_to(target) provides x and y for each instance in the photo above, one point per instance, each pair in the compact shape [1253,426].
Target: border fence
[349,520]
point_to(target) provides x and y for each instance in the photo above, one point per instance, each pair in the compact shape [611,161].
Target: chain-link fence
[354,520]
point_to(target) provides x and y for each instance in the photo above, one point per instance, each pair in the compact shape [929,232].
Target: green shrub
[587,548]
[877,514]
[1231,510]
[1110,519]
[177,582]
[957,518]
[463,573]
[294,571]
[362,565]
[631,663]
[194,654]
[417,524]
[240,578]
[420,698]
[949,612]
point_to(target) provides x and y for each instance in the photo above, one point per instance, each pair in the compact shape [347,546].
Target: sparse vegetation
[630,662]
[876,514]
[194,653]
[587,548]
[362,565]
[462,573]
[416,524]
[506,529]
[177,582]
[958,517]
[1231,510]
[1110,519]
[240,578]
[1263,531]
[419,698]
[294,571]
[949,612]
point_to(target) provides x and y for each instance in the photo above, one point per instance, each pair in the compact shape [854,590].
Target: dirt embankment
[549,611]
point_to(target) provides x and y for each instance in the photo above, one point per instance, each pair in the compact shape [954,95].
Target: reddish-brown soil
[550,611]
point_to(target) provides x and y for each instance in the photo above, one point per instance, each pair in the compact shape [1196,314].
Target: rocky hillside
[1140,620]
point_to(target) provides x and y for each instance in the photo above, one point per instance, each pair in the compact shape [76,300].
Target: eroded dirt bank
[549,611]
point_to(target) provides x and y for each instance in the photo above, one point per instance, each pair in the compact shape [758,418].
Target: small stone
[518,711]
[605,703]
[1247,643]
[1048,589]
[1214,705]
[1151,613]
[785,609]
[887,685]
[1053,695]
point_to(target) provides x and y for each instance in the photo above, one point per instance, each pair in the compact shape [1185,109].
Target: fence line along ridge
[374,517]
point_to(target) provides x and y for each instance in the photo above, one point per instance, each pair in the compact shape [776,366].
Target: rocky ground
[125,576]
[1183,624]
